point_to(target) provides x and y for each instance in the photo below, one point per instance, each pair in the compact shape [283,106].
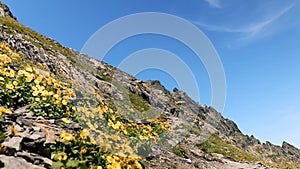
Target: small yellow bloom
[28,68]
[66,136]
[64,102]
[35,93]
[109,158]
[68,113]
[62,157]
[11,73]
[37,99]
[29,78]
[83,151]
[125,132]
[56,96]
[93,141]
[2,79]
[57,102]
[84,133]
[113,117]
[21,72]
[10,86]
[13,130]
[4,110]
[15,83]
[65,120]
[99,167]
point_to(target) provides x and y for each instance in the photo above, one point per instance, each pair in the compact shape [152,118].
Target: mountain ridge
[201,136]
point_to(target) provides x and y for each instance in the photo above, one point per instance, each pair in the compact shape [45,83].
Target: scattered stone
[17,163]
[14,143]
[189,161]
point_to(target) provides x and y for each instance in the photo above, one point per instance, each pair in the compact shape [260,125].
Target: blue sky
[257,42]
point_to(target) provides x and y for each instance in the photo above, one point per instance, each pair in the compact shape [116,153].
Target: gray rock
[16,163]
[14,143]
[4,11]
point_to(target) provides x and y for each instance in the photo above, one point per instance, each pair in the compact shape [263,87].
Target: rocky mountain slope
[63,109]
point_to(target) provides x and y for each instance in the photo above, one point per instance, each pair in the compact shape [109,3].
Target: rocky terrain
[192,135]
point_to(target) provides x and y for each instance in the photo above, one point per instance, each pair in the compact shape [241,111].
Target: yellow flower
[2,79]
[37,99]
[39,79]
[99,167]
[35,93]
[15,83]
[62,157]
[84,133]
[64,102]
[4,110]
[125,132]
[117,125]
[65,120]
[142,137]
[68,113]
[109,158]
[93,141]
[21,72]
[49,80]
[57,102]
[13,130]
[113,117]
[58,92]
[50,93]
[44,93]
[29,78]
[138,165]
[66,136]
[56,96]
[110,123]
[28,68]
[10,86]
[11,73]
[83,151]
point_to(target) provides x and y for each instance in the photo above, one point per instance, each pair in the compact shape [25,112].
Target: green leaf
[57,164]
[2,136]
[75,151]
[72,163]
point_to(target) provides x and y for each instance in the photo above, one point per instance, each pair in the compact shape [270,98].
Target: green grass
[216,145]
[138,102]
[197,165]
[2,136]
[178,150]
[193,129]
[45,42]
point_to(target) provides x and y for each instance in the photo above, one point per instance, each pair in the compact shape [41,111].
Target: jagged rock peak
[157,85]
[4,11]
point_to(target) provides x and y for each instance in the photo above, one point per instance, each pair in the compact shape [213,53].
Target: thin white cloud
[249,30]
[258,27]
[214,3]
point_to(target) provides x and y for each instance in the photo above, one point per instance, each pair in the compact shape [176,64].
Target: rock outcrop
[4,11]
[200,137]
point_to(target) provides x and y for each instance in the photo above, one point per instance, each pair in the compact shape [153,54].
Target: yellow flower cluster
[5,53]
[62,157]
[40,84]
[45,90]
[46,95]
[4,59]
[4,110]
[118,162]
[66,137]
[84,134]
